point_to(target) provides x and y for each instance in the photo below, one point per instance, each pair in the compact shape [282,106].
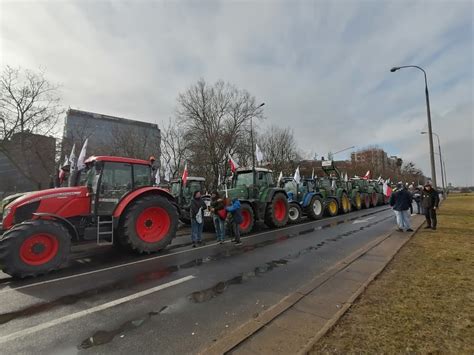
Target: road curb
[246,331]
[333,321]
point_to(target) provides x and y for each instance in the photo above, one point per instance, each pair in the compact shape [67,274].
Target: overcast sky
[321,67]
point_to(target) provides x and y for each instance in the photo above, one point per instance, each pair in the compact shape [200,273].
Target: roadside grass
[423,302]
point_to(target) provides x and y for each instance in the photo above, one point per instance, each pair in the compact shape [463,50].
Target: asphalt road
[178,301]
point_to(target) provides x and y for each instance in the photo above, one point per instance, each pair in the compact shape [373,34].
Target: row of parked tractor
[114,201]
[287,200]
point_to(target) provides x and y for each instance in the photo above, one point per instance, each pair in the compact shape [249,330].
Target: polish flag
[367,175]
[387,190]
[233,164]
[184,178]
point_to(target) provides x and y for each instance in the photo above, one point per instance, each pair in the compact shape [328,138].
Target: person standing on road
[197,218]
[234,218]
[219,214]
[430,203]
[401,201]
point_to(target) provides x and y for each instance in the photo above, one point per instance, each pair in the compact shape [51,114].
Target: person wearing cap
[401,200]
[430,203]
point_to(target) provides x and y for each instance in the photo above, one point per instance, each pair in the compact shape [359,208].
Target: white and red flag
[233,164]
[367,175]
[387,190]
[184,178]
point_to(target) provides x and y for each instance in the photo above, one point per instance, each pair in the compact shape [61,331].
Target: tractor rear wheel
[34,248]
[315,210]
[248,219]
[331,207]
[373,199]
[365,200]
[346,203]
[276,214]
[294,213]
[149,224]
[357,201]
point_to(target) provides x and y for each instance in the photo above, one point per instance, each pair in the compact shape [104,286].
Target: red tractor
[112,201]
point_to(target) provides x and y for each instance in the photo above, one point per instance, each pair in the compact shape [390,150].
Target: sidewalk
[300,319]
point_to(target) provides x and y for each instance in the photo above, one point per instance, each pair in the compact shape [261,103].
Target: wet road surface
[174,302]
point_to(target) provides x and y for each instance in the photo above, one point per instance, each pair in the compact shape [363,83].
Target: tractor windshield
[290,186]
[87,177]
[175,188]
[244,179]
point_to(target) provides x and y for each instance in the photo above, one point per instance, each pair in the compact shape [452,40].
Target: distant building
[28,163]
[377,159]
[109,135]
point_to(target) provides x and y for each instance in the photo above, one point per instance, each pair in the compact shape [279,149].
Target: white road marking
[151,259]
[366,220]
[28,331]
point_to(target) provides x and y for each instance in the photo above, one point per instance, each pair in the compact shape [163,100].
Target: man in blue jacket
[401,200]
[234,218]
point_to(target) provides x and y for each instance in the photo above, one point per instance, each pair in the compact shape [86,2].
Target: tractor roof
[191,178]
[114,159]
[245,170]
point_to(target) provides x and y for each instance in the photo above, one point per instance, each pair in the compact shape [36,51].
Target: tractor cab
[184,195]
[243,182]
[109,179]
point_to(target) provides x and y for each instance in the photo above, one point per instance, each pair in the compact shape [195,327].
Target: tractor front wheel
[346,203]
[149,224]
[365,200]
[315,209]
[357,201]
[34,248]
[248,219]
[276,214]
[331,207]
[294,213]
[373,199]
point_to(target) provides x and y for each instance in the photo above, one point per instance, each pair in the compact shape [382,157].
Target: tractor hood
[60,201]
[7,200]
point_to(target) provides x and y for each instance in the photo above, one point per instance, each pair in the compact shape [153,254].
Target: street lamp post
[440,161]
[253,146]
[432,161]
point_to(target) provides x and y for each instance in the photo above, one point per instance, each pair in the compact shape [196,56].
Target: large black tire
[315,209]
[248,219]
[332,207]
[34,248]
[149,225]
[357,201]
[276,214]
[365,200]
[294,213]
[345,203]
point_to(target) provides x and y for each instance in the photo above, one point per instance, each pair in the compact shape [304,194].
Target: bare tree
[174,148]
[29,104]
[215,119]
[280,149]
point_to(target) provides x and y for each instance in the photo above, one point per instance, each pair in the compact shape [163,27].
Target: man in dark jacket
[430,203]
[401,201]
[197,218]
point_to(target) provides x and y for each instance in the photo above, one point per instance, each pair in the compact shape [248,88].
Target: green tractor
[367,192]
[378,188]
[339,194]
[259,197]
[302,199]
[184,195]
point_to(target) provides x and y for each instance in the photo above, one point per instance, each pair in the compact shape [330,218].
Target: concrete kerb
[333,321]
[232,340]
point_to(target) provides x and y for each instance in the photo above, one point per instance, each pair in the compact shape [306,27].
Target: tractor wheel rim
[153,224]
[317,207]
[245,220]
[280,210]
[332,207]
[39,249]
[293,213]
[358,201]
